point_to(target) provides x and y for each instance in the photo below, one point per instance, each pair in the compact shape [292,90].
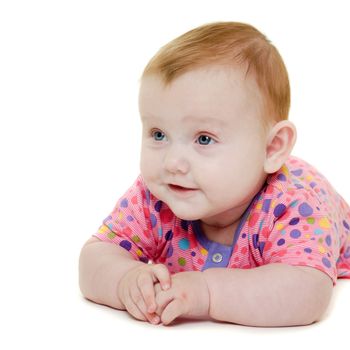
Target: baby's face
[203,145]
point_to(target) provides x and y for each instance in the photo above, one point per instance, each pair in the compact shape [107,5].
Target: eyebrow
[191,119]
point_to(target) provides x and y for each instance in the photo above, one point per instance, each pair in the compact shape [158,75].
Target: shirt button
[217,257]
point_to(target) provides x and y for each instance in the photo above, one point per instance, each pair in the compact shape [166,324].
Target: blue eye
[205,140]
[158,135]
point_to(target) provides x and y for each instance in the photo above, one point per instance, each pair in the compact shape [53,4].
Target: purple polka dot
[153,220]
[144,259]
[244,235]
[169,235]
[281,177]
[297,172]
[281,242]
[294,221]
[125,244]
[329,240]
[124,203]
[193,253]
[148,196]
[313,184]
[279,210]
[129,218]
[184,224]
[266,205]
[305,210]
[346,225]
[326,262]
[295,233]
[170,251]
[347,253]
[158,206]
[307,250]
[255,238]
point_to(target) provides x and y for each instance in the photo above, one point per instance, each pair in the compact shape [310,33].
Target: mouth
[180,189]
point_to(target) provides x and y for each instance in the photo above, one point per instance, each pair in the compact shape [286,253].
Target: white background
[69,147]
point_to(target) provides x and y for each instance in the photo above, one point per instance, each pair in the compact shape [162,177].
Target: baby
[223,223]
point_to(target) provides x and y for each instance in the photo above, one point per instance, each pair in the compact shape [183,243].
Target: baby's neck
[220,234]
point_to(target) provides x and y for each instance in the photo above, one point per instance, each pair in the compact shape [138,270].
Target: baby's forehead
[210,95]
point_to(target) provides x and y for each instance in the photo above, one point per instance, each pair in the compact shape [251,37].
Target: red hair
[228,43]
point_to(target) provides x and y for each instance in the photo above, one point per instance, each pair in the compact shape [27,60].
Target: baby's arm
[270,295]
[109,275]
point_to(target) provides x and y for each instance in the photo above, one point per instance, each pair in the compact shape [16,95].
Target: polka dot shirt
[297,218]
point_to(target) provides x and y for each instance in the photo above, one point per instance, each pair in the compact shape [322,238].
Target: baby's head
[214,106]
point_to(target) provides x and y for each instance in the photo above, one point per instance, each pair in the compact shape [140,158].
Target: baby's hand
[188,297]
[136,290]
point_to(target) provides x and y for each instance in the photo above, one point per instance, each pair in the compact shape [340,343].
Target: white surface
[68,149]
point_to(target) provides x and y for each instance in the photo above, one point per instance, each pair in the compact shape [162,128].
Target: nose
[176,160]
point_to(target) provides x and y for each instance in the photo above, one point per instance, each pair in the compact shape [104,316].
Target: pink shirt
[297,218]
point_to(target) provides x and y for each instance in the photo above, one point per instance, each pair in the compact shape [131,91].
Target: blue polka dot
[184,244]
[305,210]
[326,262]
[124,203]
[294,203]
[329,240]
[153,220]
[129,218]
[346,225]
[294,221]
[308,250]
[279,210]
[318,231]
[295,233]
[125,244]
[281,242]
[160,232]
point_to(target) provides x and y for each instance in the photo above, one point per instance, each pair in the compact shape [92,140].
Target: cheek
[149,164]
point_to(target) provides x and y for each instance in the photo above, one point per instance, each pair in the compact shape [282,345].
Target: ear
[280,142]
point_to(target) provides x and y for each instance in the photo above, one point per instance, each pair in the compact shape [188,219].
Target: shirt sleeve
[133,223]
[301,234]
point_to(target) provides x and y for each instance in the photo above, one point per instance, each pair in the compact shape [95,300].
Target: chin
[185,215]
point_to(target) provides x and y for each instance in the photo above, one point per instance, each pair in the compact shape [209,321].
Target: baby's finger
[145,285]
[133,309]
[163,298]
[162,274]
[173,310]
[137,299]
